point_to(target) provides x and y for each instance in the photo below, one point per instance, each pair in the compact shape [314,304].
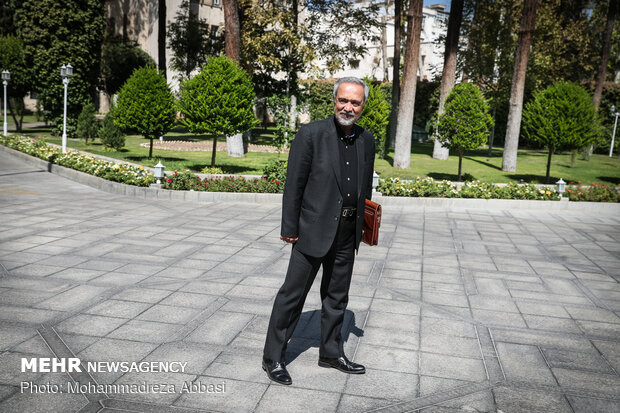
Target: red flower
[277,182]
[169,181]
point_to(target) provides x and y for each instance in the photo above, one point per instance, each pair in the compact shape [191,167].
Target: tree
[402,149]
[118,61]
[285,130]
[511,142]
[232,30]
[561,117]
[376,117]
[56,33]
[234,144]
[218,101]
[161,37]
[146,105]
[465,122]
[319,95]
[605,53]
[87,127]
[449,66]
[110,135]
[274,42]
[12,59]
[398,6]
[191,40]
[7,11]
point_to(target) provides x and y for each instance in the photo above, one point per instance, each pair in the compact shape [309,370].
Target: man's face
[349,103]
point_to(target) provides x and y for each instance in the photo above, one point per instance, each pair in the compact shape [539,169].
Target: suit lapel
[332,150]
[359,148]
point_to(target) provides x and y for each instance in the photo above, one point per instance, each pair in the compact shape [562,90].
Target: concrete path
[456,309]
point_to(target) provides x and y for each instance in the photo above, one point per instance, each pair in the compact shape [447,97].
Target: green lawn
[531,164]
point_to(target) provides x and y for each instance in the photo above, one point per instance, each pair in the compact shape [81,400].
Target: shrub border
[208,197]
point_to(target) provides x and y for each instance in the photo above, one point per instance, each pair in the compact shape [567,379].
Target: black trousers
[289,302]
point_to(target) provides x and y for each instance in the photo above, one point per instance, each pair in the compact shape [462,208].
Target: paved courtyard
[457,310]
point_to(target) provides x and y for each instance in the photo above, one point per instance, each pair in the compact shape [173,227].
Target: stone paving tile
[452,367]
[221,328]
[72,298]
[588,381]
[524,363]
[145,331]
[388,358]
[552,323]
[143,295]
[280,399]
[450,345]
[573,360]
[137,271]
[480,402]
[168,314]
[185,299]
[581,404]
[90,325]
[26,315]
[529,400]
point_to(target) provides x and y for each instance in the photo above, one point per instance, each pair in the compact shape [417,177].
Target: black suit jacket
[312,200]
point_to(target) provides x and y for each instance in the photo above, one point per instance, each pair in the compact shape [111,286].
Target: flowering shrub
[428,187]
[188,181]
[593,193]
[123,173]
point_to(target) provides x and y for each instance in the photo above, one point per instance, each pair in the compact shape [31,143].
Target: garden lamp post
[65,72]
[6,76]
[613,135]
[561,187]
[159,172]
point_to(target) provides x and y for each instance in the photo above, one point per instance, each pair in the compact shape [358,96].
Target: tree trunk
[449,67]
[232,36]
[460,163]
[549,164]
[526,32]
[213,151]
[395,72]
[15,112]
[470,44]
[161,38]
[404,128]
[232,29]
[602,69]
[151,148]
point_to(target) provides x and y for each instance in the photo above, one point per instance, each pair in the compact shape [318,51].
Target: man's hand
[290,240]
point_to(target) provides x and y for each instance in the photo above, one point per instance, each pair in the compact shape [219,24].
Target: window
[216,3]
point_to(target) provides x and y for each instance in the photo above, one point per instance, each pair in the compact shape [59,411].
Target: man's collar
[346,138]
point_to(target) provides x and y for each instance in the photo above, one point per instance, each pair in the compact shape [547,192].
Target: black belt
[348,211]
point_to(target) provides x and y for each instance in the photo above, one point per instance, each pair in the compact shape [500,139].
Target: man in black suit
[329,177]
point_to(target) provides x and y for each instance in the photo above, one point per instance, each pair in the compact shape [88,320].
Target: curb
[204,197]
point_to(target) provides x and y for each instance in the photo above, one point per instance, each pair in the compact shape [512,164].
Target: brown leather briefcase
[372,221]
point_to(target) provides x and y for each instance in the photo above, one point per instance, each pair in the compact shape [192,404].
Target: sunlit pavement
[455,310]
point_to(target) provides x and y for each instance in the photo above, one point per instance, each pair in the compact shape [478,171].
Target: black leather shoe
[343,364]
[276,371]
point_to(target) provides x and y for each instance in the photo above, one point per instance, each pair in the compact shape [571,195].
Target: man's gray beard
[344,121]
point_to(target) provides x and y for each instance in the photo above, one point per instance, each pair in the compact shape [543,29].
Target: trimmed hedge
[123,173]
[428,187]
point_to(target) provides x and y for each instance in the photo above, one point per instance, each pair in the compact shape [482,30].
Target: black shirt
[348,166]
